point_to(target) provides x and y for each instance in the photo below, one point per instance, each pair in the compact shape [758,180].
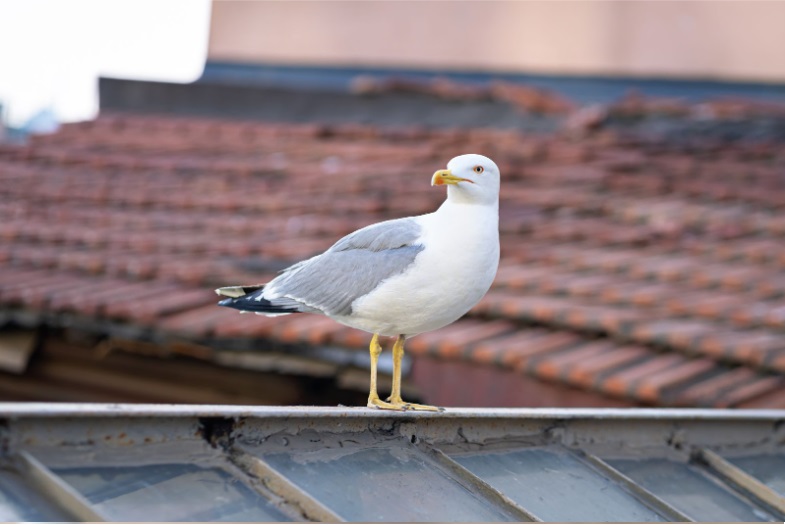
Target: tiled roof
[645,270]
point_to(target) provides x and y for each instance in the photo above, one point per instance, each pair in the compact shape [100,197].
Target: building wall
[725,40]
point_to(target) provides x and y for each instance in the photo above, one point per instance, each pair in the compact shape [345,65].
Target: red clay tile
[704,393]
[752,347]
[492,351]
[623,382]
[698,303]
[639,293]
[749,314]
[196,322]
[429,341]
[774,399]
[13,291]
[775,360]
[520,276]
[554,365]
[149,310]
[320,330]
[630,252]
[740,393]
[652,388]
[588,374]
[457,344]
[518,356]
[773,286]
[245,326]
[94,298]
[678,333]
[352,338]
[775,316]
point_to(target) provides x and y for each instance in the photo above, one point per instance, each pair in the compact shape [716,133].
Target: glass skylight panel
[20,502]
[376,484]
[169,492]
[768,468]
[556,486]
[689,490]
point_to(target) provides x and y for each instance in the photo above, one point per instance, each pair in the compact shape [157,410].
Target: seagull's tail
[249,299]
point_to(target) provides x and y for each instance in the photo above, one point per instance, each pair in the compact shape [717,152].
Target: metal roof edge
[43,410]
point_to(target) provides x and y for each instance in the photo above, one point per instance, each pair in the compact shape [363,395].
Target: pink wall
[743,40]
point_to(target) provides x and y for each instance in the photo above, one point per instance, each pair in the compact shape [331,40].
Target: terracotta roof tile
[518,356]
[352,338]
[673,332]
[457,340]
[493,351]
[774,399]
[703,393]
[624,382]
[148,311]
[94,300]
[245,326]
[608,241]
[655,387]
[196,322]
[775,360]
[302,328]
[554,365]
[740,393]
[589,374]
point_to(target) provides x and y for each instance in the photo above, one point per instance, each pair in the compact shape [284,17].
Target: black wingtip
[248,303]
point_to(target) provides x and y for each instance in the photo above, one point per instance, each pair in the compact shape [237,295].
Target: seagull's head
[471,179]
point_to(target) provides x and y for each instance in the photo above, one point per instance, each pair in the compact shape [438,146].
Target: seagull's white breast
[451,274]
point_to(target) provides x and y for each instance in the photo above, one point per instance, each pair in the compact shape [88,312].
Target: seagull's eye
[478,169]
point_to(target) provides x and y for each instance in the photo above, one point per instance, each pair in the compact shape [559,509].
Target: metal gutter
[108,410]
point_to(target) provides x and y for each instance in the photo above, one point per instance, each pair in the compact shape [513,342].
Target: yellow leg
[373,396]
[395,397]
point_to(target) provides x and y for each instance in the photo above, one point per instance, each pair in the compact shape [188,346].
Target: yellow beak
[442,177]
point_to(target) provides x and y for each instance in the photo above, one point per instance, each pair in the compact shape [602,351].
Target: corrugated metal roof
[241,463]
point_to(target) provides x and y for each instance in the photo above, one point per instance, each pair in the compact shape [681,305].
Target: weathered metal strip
[654,502]
[52,487]
[737,476]
[482,487]
[42,410]
[280,485]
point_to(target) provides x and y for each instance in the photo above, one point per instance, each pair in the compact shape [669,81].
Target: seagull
[400,277]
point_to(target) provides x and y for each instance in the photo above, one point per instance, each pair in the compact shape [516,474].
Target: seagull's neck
[462,199]
[457,195]
[460,210]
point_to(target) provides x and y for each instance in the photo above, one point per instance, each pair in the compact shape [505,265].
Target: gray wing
[350,269]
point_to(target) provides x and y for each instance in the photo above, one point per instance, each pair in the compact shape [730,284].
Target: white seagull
[401,277]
